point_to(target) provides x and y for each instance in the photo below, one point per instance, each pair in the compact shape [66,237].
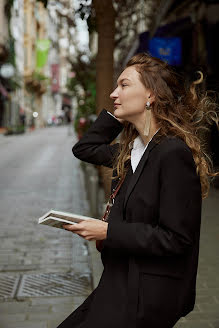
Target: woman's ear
[151,97]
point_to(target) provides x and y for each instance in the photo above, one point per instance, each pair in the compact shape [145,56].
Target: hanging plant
[37,83]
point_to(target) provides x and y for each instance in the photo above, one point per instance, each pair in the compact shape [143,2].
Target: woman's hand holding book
[89,229]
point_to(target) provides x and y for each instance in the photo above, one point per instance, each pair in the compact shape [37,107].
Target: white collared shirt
[137,149]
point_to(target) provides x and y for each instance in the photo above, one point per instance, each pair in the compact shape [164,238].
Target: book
[56,219]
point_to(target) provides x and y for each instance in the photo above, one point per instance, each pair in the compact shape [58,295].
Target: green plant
[40,77]
[15,129]
[37,82]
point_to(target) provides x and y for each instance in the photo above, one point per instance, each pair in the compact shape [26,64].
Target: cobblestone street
[44,272]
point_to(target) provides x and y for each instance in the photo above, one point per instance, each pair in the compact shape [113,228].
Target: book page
[56,223]
[65,215]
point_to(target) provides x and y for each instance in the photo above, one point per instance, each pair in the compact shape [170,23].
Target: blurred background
[59,62]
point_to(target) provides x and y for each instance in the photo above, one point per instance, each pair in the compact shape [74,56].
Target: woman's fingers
[89,229]
[78,229]
[73,227]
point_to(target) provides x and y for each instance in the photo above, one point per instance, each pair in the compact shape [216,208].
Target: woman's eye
[123,85]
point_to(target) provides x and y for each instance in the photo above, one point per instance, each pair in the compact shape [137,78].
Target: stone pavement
[45,273]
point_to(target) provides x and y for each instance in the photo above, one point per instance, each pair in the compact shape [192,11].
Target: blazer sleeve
[94,147]
[179,212]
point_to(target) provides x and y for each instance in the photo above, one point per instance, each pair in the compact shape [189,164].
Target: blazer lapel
[138,171]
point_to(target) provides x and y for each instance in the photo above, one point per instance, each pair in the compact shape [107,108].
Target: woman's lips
[116,105]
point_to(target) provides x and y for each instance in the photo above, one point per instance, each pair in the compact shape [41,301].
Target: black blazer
[160,229]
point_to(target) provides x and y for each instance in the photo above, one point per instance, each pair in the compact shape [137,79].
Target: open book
[57,218]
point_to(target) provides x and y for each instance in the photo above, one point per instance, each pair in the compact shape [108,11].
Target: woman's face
[130,96]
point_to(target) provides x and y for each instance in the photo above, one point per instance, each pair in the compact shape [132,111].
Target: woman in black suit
[150,242]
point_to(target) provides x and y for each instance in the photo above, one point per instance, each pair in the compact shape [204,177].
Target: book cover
[56,219]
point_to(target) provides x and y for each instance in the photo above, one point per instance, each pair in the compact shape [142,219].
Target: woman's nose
[114,95]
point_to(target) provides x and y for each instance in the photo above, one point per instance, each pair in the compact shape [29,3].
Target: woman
[151,239]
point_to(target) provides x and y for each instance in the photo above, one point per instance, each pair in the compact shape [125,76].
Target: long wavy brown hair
[178,110]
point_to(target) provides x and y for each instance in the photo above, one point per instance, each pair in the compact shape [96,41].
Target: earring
[147,119]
